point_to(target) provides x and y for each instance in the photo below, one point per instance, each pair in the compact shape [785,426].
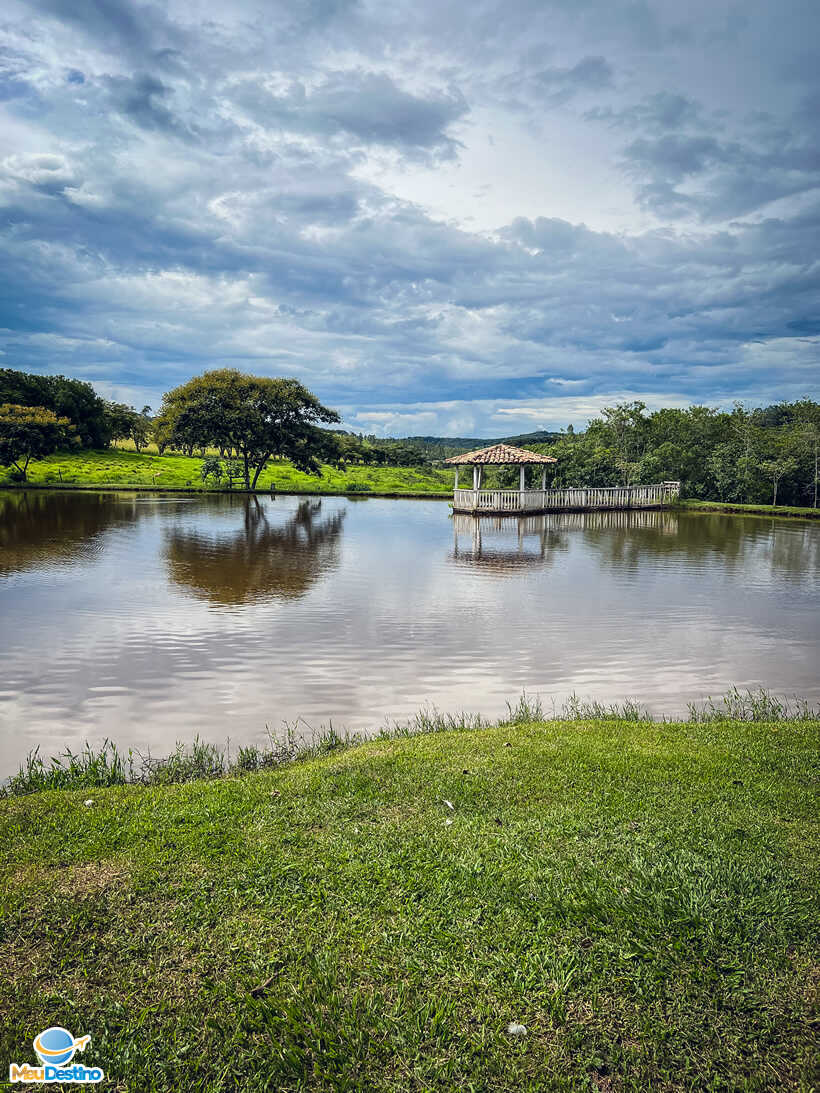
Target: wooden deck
[504,502]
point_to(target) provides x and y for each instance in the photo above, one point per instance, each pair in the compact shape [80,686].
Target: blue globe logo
[56,1045]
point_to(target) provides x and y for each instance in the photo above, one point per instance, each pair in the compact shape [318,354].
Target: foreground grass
[642,897]
[752,510]
[116,467]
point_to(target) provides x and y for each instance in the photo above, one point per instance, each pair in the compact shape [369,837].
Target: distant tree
[73,399]
[746,430]
[722,465]
[127,423]
[624,428]
[254,416]
[31,432]
[775,470]
[211,468]
[160,434]
[807,440]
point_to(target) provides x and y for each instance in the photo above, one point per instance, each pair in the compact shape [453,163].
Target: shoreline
[77,487]
[107,766]
[785,512]
[789,512]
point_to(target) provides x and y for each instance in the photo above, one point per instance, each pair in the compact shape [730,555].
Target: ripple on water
[153,619]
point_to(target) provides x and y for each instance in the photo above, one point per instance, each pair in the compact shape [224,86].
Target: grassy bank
[641,897]
[121,468]
[126,469]
[750,510]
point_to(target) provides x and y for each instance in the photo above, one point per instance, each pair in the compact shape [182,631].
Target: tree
[160,434]
[74,399]
[211,467]
[141,428]
[31,432]
[254,416]
[747,434]
[126,423]
[775,469]
[807,430]
[722,465]
[624,428]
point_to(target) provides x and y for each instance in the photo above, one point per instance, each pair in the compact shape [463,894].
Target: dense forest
[757,456]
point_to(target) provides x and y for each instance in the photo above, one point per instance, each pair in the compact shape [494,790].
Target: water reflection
[258,560]
[149,619]
[624,540]
[51,528]
[700,539]
[503,544]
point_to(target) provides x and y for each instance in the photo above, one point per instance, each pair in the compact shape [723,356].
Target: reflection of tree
[626,539]
[43,528]
[719,539]
[260,560]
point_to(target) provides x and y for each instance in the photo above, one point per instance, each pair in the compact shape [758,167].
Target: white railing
[575,499]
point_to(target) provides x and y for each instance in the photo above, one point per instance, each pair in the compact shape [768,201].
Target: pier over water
[496,502]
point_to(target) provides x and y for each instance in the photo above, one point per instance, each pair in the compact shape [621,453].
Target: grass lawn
[642,897]
[117,467]
[752,510]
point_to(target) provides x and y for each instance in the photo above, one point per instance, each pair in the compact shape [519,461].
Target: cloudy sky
[462,218]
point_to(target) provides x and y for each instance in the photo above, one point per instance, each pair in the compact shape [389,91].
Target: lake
[150,619]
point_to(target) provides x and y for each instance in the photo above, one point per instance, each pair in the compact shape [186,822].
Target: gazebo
[497,455]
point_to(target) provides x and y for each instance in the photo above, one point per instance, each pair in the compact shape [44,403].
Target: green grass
[116,467]
[752,510]
[642,897]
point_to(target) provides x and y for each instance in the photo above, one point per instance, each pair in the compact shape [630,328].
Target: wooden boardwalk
[507,502]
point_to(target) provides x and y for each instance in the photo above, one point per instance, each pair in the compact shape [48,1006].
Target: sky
[444,218]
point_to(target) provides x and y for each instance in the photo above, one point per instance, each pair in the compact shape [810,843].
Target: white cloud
[418,222]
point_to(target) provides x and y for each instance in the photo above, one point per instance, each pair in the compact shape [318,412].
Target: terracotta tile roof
[501,453]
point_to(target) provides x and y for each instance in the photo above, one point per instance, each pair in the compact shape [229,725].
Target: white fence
[576,499]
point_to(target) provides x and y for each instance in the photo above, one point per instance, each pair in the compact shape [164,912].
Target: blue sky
[444,218]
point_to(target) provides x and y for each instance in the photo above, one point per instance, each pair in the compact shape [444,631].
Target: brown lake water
[151,619]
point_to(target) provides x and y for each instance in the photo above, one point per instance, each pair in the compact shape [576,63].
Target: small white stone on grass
[88,803]
[450,804]
[515,1029]
[448,822]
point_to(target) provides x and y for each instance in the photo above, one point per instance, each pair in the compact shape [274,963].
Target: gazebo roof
[501,453]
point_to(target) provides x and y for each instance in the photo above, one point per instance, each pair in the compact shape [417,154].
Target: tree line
[247,419]
[750,456]
[768,454]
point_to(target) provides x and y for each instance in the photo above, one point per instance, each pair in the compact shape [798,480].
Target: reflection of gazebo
[504,544]
[500,455]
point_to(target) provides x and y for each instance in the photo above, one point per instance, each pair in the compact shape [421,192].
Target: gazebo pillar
[457,470]
[543,478]
[476,476]
[522,477]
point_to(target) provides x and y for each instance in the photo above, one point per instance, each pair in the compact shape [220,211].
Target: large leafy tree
[252,416]
[73,399]
[31,432]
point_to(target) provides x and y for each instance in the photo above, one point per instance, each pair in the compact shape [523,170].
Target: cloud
[432,232]
[143,98]
[660,112]
[562,84]
[369,107]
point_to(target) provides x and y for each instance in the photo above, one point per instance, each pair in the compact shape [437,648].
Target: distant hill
[412,450]
[441,447]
